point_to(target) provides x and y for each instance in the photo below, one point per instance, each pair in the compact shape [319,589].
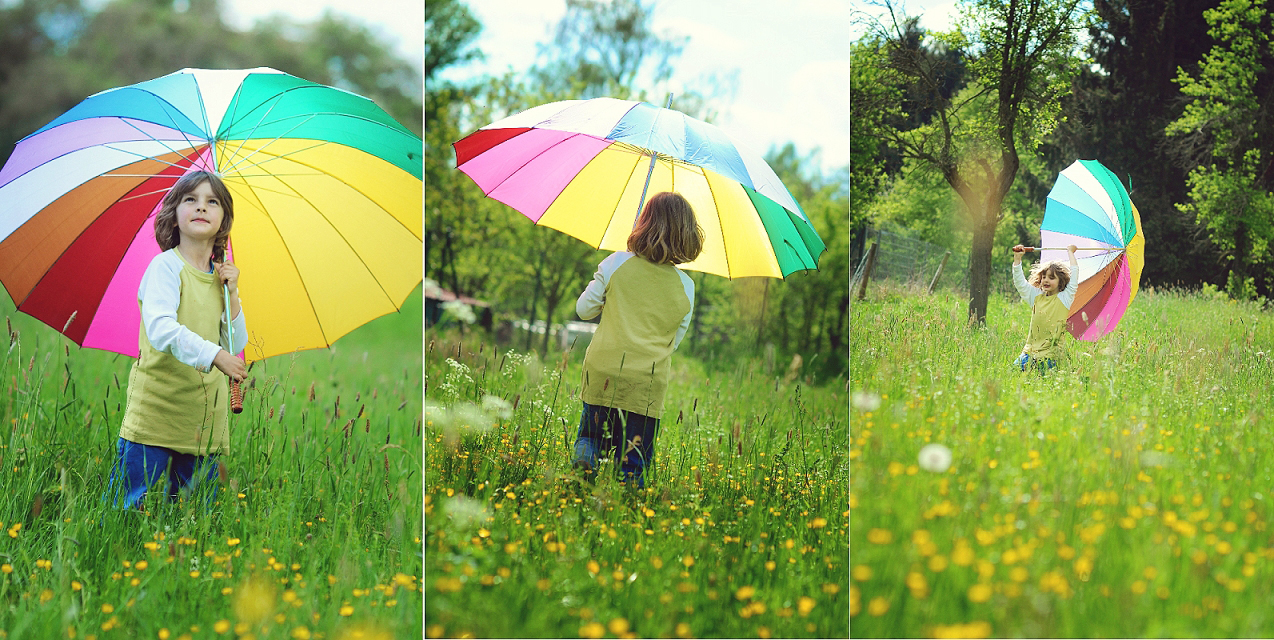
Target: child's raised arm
[1024,289]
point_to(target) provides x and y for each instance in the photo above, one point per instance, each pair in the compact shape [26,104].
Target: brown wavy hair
[667,231]
[1059,269]
[166,232]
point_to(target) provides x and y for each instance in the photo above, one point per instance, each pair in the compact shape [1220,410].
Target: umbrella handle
[1032,249]
[236,396]
[236,391]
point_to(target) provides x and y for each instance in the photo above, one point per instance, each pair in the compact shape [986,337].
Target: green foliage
[315,529]
[741,531]
[450,28]
[1119,495]
[58,52]
[601,49]
[1229,120]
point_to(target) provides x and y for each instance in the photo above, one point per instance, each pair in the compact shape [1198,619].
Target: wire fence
[915,263]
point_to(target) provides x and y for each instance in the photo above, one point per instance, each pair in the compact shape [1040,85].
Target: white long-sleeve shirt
[159,295]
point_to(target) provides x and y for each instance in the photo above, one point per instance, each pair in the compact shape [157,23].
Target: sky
[400,22]
[935,15]
[792,60]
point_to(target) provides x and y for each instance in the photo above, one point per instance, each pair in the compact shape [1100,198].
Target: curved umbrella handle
[1031,249]
[236,391]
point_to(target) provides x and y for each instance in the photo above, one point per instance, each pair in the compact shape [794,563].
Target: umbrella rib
[725,247]
[341,235]
[288,251]
[245,139]
[235,167]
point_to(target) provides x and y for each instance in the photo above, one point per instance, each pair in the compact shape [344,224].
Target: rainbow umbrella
[584,167]
[1088,207]
[326,187]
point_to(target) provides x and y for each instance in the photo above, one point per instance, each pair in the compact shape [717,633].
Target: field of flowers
[315,532]
[743,531]
[1127,494]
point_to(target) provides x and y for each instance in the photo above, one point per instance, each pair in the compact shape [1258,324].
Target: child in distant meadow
[175,421]
[1050,293]
[645,303]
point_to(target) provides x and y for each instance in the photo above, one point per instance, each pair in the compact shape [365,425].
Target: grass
[1126,494]
[315,532]
[743,532]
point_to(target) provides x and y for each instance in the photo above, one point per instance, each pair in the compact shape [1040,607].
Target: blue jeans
[137,466]
[1041,365]
[628,436]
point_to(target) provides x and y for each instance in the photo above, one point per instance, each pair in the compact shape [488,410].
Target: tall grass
[314,532]
[741,531]
[1125,494]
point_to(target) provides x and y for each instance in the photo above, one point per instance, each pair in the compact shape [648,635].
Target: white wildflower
[935,457]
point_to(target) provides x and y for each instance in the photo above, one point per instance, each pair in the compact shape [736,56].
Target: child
[645,303]
[176,409]
[1050,294]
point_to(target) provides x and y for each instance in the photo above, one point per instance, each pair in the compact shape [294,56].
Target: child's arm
[1027,292]
[590,302]
[1067,296]
[160,294]
[689,286]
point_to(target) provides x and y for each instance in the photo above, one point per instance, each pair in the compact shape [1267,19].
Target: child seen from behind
[645,303]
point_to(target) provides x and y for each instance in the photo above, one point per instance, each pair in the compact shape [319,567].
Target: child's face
[199,213]
[1048,282]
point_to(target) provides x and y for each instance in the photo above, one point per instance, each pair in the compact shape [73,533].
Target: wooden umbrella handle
[236,396]
[1031,249]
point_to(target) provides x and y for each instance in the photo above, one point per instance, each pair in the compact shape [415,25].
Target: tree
[599,48]
[1117,112]
[450,29]
[1224,134]
[1021,56]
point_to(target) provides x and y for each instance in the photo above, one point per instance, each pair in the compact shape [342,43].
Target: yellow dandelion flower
[301,633]
[221,626]
[593,567]
[683,630]
[164,634]
[861,573]
[979,593]
[346,611]
[618,626]
[878,606]
[880,536]
[46,595]
[688,561]
[232,542]
[108,608]
[6,568]
[805,605]
[592,630]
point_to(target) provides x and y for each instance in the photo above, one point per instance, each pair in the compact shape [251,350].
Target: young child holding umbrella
[175,420]
[645,303]
[1050,292]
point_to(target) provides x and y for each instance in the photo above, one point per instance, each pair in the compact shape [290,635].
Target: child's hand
[230,365]
[229,274]
[1018,252]
[1071,249]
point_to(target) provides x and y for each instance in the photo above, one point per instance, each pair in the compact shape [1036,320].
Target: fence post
[939,271]
[871,262]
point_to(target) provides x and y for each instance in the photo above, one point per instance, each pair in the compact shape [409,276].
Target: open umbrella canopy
[583,167]
[327,203]
[1089,208]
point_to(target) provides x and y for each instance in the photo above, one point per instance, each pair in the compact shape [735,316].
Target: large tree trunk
[980,266]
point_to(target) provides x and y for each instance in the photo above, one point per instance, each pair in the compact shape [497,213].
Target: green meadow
[315,530]
[1128,493]
[741,532]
